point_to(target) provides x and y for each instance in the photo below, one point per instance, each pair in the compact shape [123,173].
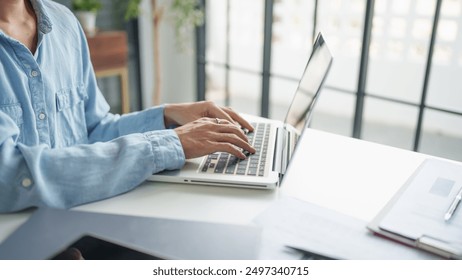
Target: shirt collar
[43,21]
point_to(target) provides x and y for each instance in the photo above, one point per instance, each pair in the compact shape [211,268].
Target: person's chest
[43,93]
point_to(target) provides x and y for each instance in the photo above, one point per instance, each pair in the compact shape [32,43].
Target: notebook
[275,141]
[418,215]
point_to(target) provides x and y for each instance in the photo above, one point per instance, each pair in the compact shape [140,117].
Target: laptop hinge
[286,151]
[281,151]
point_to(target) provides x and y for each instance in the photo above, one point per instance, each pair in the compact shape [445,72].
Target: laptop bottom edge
[258,184]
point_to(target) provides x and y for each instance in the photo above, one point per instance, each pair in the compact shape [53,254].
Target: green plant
[186,14]
[132,10]
[86,5]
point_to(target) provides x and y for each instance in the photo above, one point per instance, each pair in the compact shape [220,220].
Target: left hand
[183,113]
[205,136]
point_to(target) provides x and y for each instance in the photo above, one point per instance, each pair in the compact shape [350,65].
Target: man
[59,145]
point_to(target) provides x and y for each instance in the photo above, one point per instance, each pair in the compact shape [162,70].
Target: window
[396,73]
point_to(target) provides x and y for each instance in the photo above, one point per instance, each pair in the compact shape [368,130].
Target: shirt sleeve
[103,125]
[110,126]
[62,178]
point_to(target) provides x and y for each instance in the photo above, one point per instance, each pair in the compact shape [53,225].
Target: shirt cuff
[167,150]
[142,121]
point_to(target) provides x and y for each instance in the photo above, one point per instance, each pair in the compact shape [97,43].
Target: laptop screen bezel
[306,115]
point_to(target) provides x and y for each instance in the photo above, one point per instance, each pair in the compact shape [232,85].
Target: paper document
[419,212]
[323,232]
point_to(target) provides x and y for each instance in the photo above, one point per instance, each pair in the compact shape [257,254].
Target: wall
[111,17]
[177,67]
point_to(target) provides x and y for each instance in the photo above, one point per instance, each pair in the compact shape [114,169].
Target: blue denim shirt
[59,145]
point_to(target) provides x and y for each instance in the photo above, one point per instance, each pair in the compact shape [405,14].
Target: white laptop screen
[305,97]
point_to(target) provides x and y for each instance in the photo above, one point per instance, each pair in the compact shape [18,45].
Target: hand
[206,136]
[180,114]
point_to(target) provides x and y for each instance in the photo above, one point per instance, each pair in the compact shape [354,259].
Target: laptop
[275,141]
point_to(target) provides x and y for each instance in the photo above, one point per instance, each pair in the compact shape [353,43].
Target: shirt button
[26,182]
[42,116]
[34,73]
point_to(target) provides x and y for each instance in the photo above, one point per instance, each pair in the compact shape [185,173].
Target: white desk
[345,174]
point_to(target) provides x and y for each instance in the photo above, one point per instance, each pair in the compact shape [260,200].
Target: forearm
[113,126]
[63,178]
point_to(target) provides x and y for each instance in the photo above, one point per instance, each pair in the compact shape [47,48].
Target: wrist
[168,113]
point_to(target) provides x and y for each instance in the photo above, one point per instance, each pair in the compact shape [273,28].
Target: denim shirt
[59,145]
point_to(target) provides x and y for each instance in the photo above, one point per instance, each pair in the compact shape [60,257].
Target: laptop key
[252,171]
[240,171]
[206,165]
[230,169]
[220,167]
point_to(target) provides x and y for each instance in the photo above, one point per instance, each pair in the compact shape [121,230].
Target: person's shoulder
[62,19]
[54,8]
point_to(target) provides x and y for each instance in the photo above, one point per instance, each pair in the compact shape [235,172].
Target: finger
[236,141]
[227,127]
[215,121]
[229,148]
[218,112]
[230,115]
[224,122]
[222,125]
[237,118]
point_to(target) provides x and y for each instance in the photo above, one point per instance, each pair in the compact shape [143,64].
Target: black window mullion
[227,53]
[315,21]
[428,67]
[200,55]
[266,71]
[361,90]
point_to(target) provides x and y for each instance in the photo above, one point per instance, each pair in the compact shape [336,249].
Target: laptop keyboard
[253,165]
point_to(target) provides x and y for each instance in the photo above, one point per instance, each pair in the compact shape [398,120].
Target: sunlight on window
[418,52]
[451,8]
[401,7]
[442,55]
[447,30]
[380,7]
[395,50]
[397,27]
[421,29]
[425,7]
[398,53]
[378,26]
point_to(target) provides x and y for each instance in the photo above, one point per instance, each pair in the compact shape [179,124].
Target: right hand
[183,113]
[206,136]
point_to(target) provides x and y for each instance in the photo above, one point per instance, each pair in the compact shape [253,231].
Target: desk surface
[351,176]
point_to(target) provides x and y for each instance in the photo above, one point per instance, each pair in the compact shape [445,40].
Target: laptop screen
[305,97]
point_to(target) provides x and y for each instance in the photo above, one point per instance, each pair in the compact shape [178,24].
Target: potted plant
[86,11]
